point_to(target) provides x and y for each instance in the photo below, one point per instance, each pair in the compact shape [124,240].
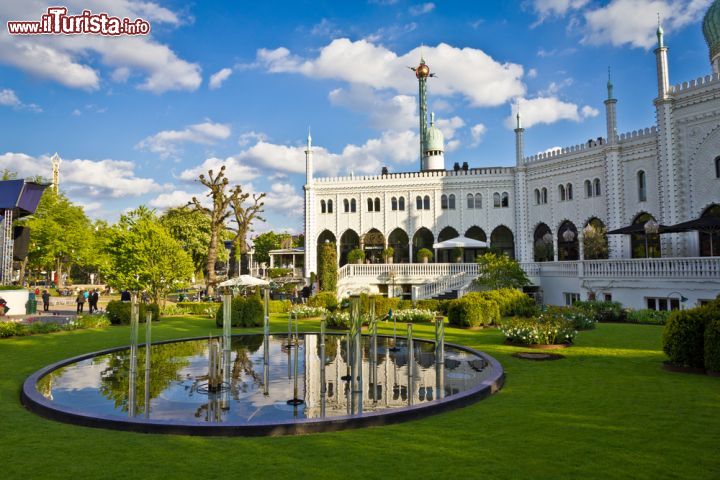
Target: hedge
[279,272]
[473,310]
[279,306]
[651,317]
[603,311]
[324,299]
[511,301]
[197,308]
[712,345]
[119,312]
[684,335]
[245,312]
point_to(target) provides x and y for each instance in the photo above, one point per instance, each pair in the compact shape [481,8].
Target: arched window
[370,204]
[478,200]
[426,202]
[537,197]
[377,204]
[588,189]
[346,205]
[444,202]
[470,201]
[401,204]
[505,200]
[353,205]
[568,191]
[393,204]
[544,195]
[451,201]
[330,206]
[418,202]
[641,186]
[596,184]
[717,167]
[322,206]
[496,200]
[561,192]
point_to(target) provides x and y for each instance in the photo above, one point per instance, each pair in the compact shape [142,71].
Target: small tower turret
[308,160]
[434,148]
[661,58]
[519,140]
[611,113]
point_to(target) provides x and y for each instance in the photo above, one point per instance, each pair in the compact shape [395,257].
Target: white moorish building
[541,210]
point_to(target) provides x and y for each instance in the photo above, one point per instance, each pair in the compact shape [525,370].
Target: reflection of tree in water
[166,361]
[45,384]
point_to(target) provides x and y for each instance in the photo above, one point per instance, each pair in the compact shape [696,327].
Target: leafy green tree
[144,256]
[263,243]
[60,234]
[327,267]
[595,241]
[192,229]
[246,211]
[500,271]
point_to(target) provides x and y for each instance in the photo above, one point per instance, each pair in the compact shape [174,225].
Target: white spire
[309,140]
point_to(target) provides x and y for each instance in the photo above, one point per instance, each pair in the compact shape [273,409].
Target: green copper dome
[711,28]
[434,139]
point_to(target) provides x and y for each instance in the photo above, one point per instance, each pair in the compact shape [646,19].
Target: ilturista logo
[56,21]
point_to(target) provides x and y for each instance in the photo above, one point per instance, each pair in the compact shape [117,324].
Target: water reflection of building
[461,371]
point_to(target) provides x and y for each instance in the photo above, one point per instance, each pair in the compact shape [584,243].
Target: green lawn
[606,411]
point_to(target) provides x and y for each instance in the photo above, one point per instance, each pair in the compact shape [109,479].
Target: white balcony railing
[680,267]
[400,270]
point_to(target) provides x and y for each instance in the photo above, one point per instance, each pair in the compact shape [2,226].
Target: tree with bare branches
[221,198]
[245,214]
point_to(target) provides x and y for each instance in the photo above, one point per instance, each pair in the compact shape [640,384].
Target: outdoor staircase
[445,288]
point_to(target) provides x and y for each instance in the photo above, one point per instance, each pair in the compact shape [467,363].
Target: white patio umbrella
[244,281]
[462,242]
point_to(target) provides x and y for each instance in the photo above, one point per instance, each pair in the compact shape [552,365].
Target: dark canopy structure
[634,229]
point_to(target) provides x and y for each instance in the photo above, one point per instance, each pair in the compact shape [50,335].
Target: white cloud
[217,79]
[547,110]
[84,178]
[477,132]
[393,112]
[284,197]
[422,9]
[462,71]
[167,142]
[532,73]
[550,150]
[251,137]
[236,170]
[9,98]
[548,8]
[176,198]
[555,87]
[620,21]
[325,28]
[448,127]
[70,59]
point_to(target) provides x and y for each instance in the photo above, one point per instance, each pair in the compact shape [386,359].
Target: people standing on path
[80,300]
[46,301]
[94,297]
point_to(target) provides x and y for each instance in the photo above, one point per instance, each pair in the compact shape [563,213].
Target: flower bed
[546,329]
[414,315]
[306,311]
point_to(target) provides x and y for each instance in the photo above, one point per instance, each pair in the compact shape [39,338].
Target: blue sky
[135,119]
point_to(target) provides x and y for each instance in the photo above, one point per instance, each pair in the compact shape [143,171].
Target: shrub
[602,311]
[306,311]
[712,345]
[424,253]
[92,321]
[44,327]
[338,319]
[326,300]
[547,329]
[404,304]
[684,336]
[429,304]
[580,318]
[388,253]
[653,317]
[279,272]
[244,312]
[500,271]
[119,312]
[414,315]
[279,306]
[11,329]
[327,267]
[472,311]
[197,308]
[511,301]
[356,255]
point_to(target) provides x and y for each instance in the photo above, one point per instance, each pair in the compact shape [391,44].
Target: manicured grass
[605,411]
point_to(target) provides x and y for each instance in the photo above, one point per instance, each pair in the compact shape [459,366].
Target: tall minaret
[611,113]
[310,236]
[422,72]
[661,58]
[519,140]
[55,159]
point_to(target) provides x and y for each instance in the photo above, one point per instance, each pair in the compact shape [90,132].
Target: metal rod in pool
[347,377]
[148,340]
[439,357]
[267,312]
[323,386]
[266,379]
[266,330]
[296,400]
[134,320]
[289,336]
[411,364]
[227,320]
[373,360]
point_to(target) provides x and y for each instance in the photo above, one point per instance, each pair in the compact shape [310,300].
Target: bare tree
[244,216]
[218,214]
